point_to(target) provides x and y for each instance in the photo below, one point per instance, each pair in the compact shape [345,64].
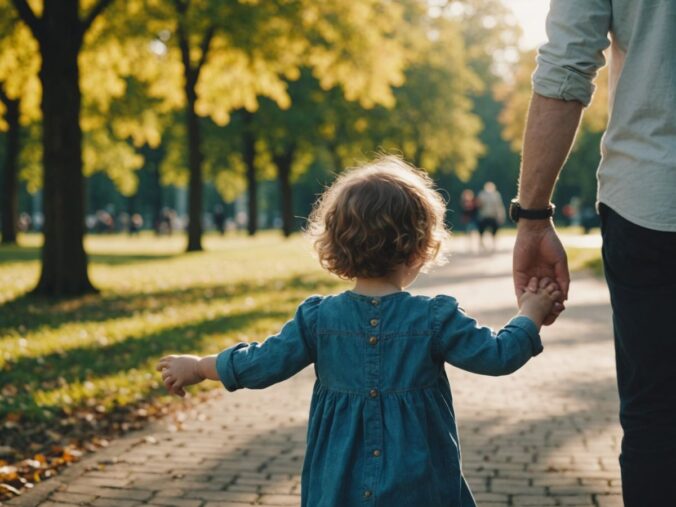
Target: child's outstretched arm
[465,344]
[252,365]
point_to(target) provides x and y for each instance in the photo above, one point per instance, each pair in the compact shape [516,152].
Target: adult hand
[538,252]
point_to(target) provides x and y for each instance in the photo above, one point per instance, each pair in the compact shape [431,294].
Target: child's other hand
[537,300]
[178,372]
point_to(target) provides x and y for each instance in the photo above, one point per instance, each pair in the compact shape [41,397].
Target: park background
[180,111]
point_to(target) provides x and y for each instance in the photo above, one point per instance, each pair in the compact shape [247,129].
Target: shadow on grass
[94,361]
[90,362]
[27,313]
[13,253]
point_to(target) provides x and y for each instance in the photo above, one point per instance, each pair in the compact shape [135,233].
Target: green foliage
[19,63]
[432,123]
[337,81]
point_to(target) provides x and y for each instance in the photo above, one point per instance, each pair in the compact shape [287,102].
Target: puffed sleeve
[259,365]
[577,32]
[463,343]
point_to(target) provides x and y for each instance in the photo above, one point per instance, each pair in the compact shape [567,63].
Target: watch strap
[516,212]
[537,214]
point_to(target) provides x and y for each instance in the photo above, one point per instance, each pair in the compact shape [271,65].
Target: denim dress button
[373,393]
[374,322]
[373,340]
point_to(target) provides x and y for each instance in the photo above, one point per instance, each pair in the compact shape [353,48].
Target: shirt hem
[647,224]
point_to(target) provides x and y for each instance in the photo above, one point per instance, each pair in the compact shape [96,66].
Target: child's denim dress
[382,429]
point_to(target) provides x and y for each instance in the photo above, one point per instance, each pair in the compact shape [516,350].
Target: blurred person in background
[135,224]
[469,216]
[491,214]
[219,218]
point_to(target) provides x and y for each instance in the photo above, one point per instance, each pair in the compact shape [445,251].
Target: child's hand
[537,300]
[180,371]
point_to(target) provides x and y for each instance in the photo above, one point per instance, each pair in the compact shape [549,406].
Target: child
[382,429]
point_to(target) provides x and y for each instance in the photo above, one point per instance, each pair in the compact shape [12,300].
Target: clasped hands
[538,253]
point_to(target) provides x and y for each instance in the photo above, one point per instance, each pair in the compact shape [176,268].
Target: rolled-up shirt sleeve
[577,32]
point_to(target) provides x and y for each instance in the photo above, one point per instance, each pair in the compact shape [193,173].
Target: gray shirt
[637,174]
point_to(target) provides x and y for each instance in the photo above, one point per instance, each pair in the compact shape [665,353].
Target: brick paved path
[544,436]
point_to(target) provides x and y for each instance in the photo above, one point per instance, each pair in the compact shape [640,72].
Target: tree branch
[28,17]
[181,6]
[3,96]
[185,50]
[93,14]
[206,41]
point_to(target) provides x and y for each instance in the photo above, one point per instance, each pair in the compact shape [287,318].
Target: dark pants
[488,224]
[640,267]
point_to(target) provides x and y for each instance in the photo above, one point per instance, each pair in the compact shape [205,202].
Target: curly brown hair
[376,217]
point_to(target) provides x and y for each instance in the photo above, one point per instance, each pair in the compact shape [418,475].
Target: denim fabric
[382,430]
[640,267]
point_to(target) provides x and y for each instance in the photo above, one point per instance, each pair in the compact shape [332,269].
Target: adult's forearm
[550,131]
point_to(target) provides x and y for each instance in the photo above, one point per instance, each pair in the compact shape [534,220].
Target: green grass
[580,259]
[99,350]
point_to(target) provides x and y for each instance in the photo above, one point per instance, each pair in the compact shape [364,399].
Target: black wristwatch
[516,212]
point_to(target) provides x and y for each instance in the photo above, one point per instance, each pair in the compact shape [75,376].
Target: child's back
[381,424]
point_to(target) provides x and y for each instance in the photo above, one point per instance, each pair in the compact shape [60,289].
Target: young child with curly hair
[382,429]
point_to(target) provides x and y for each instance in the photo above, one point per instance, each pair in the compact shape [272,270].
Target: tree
[10,198]
[18,106]
[490,34]
[287,135]
[60,30]
[432,122]
[231,54]
[238,47]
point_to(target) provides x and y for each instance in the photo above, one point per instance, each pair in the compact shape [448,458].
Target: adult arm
[550,131]
[563,84]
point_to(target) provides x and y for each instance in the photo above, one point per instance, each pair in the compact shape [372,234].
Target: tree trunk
[157,198]
[418,154]
[195,167]
[64,261]
[10,198]
[249,156]
[191,75]
[338,163]
[283,163]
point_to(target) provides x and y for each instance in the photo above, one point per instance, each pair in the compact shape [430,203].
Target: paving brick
[73,498]
[175,502]
[279,500]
